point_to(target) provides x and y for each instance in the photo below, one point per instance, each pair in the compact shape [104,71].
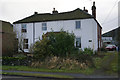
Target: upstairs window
[25,44]
[44,26]
[78,24]
[78,42]
[24,28]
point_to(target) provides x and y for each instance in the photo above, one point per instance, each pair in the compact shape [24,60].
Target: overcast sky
[107,10]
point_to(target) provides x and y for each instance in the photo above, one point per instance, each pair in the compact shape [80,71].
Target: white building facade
[86,29]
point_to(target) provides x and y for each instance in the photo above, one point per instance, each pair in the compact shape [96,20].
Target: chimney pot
[35,13]
[94,3]
[54,11]
[85,9]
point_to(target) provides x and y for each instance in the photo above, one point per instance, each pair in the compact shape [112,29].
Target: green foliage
[41,49]
[37,75]
[62,43]
[88,51]
[97,62]
[26,68]
[108,63]
[103,49]
[16,61]
[20,55]
[57,44]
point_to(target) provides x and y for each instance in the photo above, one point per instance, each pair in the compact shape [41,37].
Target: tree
[21,38]
[56,44]
[61,44]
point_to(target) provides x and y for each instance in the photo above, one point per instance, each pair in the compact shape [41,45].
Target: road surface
[75,75]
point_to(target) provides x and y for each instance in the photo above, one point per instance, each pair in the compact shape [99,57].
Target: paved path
[75,75]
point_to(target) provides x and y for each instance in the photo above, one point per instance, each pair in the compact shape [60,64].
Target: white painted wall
[88,31]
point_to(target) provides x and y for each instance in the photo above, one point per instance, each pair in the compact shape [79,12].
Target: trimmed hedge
[15,61]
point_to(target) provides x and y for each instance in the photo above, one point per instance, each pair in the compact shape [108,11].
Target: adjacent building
[85,27]
[7,38]
[114,35]
[107,40]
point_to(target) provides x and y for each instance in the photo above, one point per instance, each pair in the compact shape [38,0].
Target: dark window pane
[25,40]
[78,24]
[78,42]
[44,26]
[25,44]
[24,30]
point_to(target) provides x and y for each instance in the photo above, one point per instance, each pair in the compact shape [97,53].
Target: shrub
[60,63]
[83,57]
[41,49]
[16,61]
[56,44]
[88,51]
[103,49]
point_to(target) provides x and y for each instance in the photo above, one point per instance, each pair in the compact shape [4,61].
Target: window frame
[25,45]
[24,28]
[77,24]
[44,26]
[78,42]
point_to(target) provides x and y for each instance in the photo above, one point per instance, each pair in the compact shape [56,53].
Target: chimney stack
[35,13]
[94,10]
[85,10]
[54,11]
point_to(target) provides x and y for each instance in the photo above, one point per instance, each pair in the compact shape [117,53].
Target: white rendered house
[84,26]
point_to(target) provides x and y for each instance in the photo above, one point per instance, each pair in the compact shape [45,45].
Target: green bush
[41,49]
[103,49]
[83,57]
[16,61]
[108,63]
[88,51]
[54,44]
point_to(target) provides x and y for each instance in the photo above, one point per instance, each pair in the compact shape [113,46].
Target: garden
[57,53]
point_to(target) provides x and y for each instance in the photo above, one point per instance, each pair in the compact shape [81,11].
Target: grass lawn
[36,75]
[108,63]
[26,68]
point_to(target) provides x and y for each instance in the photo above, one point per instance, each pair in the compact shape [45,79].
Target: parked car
[111,47]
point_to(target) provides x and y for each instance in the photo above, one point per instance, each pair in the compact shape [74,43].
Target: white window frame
[24,28]
[77,24]
[44,26]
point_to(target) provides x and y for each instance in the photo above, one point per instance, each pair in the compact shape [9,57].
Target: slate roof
[71,15]
[7,27]
[111,33]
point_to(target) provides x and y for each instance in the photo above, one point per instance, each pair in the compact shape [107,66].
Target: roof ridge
[69,15]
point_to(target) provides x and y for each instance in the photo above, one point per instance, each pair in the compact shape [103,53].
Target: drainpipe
[33,32]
